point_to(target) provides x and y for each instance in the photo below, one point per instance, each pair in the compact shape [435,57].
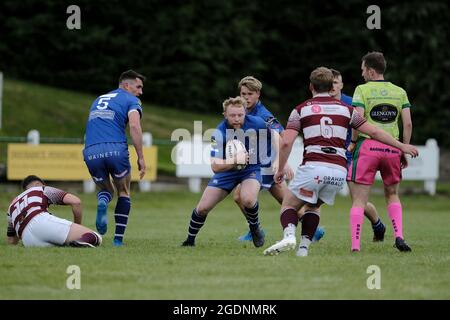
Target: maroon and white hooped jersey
[324,122]
[30,203]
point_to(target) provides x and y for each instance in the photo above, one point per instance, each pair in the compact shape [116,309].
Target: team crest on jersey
[316,108]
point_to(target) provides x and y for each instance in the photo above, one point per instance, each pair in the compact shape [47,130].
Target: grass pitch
[152,265]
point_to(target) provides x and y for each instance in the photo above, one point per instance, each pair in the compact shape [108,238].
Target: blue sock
[195,224]
[121,213]
[378,225]
[252,216]
[104,196]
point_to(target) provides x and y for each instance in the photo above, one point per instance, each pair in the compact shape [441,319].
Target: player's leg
[80,236]
[122,209]
[361,175]
[360,195]
[46,230]
[395,212]
[210,198]
[310,224]
[320,231]
[98,168]
[238,201]
[377,225]
[390,170]
[249,197]
[104,197]
[289,220]
[324,185]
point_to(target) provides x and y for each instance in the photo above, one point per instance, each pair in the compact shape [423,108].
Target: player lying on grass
[30,220]
[227,172]
[323,122]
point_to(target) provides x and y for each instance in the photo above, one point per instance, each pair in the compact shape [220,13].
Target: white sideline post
[33,137]
[147,141]
[192,161]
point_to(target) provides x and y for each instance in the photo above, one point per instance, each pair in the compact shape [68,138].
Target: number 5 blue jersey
[108,117]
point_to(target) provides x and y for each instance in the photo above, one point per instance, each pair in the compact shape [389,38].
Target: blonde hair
[237,101]
[321,79]
[251,83]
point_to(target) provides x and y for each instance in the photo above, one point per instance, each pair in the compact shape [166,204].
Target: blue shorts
[229,180]
[267,182]
[105,159]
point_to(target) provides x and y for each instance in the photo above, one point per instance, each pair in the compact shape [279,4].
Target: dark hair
[321,79]
[132,75]
[29,180]
[376,61]
[335,73]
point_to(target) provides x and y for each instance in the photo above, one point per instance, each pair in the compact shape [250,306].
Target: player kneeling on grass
[229,171]
[323,122]
[29,219]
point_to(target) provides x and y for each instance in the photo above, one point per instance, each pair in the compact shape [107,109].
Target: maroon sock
[90,237]
[289,215]
[310,221]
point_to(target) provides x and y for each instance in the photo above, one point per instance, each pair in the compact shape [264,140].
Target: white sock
[305,242]
[289,231]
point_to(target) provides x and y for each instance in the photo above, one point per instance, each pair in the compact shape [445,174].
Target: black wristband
[353,141]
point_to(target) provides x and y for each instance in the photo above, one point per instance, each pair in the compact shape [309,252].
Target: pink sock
[356,221]
[395,213]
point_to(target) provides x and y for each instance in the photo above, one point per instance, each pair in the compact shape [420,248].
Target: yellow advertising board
[65,162]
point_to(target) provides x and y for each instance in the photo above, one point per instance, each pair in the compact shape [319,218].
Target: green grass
[152,265]
[63,113]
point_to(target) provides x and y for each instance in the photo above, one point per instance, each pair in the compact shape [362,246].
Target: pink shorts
[370,156]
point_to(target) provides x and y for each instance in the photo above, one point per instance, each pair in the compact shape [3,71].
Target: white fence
[192,162]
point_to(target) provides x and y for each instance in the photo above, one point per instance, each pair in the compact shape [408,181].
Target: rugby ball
[232,148]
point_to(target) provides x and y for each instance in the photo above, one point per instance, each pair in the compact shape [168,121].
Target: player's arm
[363,126]
[59,197]
[221,165]
[355,133]
[407,125]
[11,236]
[289,136]
[75,203]
[134,118]
[218,161]
[275,140]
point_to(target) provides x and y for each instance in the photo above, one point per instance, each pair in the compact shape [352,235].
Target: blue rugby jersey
[250,134]
[108,117]
[259,110]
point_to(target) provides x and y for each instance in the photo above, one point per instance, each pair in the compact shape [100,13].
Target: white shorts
[312,182]
[45,230]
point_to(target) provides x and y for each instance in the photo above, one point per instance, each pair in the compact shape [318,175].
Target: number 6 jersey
[323,122]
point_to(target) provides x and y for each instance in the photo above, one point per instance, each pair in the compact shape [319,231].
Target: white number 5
[325,129]
[104,100]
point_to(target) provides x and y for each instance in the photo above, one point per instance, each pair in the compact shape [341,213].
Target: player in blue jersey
[227,175]
[369,211]
[250,89]
[106,149]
